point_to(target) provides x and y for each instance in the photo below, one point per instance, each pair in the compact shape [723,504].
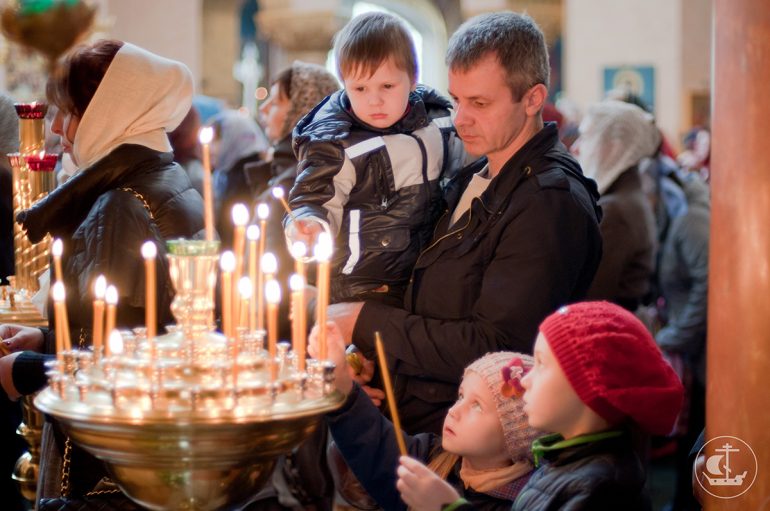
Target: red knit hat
[614,365]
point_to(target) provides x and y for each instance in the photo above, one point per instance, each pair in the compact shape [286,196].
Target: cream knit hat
[516,430]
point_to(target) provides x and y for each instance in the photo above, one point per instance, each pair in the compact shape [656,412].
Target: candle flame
[296,282]
[206,135]
[227,261]
[272,291]
[323,250]
[269,263]
[115,342]
[100,287]
[58,292]
[240,214]
[149,250]
[263,210]
[111,295]
[244,287]
[57,248]
[252,232]
[278,192]
[298,250]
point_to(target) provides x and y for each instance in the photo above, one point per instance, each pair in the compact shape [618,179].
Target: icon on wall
[637,80]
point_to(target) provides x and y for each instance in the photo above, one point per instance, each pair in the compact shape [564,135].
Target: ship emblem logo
[730,467]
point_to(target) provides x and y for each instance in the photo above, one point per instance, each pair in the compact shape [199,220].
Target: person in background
[238,141]
[614,137]
[187,149]
[682,205]
[295,91]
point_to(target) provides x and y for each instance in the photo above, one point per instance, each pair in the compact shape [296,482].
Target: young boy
[371,158]
[598,373]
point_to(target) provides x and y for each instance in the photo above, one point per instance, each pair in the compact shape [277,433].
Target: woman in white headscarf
[614,137]
[116,103]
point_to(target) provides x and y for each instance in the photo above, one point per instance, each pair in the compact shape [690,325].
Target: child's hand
[421,488]
[362,372]
[305,230]
[335,351]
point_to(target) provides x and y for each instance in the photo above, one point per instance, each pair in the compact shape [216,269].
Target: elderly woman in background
[238,142]
[614,137]
[116,103]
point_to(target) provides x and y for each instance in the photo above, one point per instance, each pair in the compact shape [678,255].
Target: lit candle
[205,137]
[298,252]
[57,248]
[323,253]
[111,297]
[58,307]
[268,265]
[227,265]
[278,194]
[240,215]
[252,233]
[262,213]
[100,287]
[150,252]
[273,297]
[298,324]
[115,343]
[244,290]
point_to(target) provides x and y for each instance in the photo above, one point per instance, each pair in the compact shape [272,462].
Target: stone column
[739,282]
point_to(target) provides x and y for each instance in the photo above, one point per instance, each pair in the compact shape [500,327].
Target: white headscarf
[614,136]
[140,98]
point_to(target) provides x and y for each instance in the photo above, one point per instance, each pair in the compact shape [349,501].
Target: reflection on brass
[28,465]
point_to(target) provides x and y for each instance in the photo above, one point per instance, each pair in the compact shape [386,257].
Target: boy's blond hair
[369,40]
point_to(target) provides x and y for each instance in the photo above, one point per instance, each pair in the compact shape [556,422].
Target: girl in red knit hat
[597,375]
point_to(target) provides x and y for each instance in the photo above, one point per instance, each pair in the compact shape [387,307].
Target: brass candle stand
[190,419]
[33,179]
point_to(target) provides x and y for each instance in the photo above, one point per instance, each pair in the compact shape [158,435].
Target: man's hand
[21,338]
[345,316]
[421,488]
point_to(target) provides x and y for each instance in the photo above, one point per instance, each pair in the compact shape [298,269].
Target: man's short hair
[516,41]
[369,40]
